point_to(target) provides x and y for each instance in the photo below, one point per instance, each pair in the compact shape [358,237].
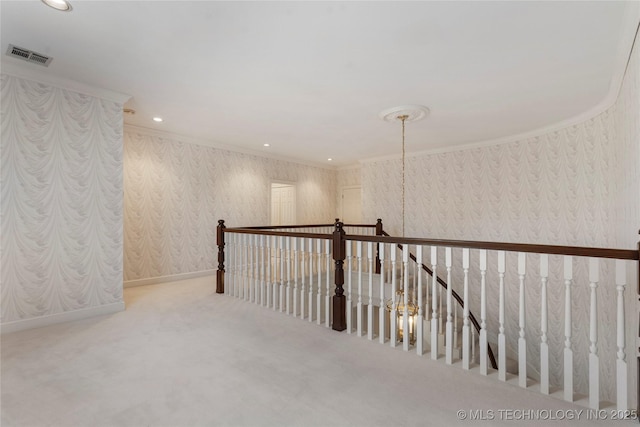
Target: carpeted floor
[180,355]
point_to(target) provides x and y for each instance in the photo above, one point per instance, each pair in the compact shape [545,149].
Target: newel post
[378,233]
[220,242]
[339,300]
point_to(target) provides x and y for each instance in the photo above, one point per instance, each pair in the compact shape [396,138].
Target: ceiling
[310,78]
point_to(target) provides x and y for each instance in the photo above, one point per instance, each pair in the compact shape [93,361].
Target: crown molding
[208,143]
[628,33]
[15,69]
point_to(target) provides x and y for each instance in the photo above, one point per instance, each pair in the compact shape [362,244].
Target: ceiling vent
[29,55]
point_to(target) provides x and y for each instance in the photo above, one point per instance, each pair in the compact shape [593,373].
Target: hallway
[180,355]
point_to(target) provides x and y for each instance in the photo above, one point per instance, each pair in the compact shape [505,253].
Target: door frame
[348,187]
[295,197]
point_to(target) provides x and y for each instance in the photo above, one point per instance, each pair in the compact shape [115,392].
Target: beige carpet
[180,355]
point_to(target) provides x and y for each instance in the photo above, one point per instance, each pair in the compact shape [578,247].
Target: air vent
[28,55]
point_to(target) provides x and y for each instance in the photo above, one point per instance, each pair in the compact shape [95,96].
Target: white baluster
[276,271]
[406,338]
[359,304]
[295,275]
[319,294]
[382,309]
[348,271]
[434,305]
[251,268]
[420,317]
[522,342]
[594,361]
[310,246]
[370,303]
[393,329]
[288,269]
[466,330]
[621,364]
[502,344]
[262,270]
[544,345]
[269,286]
[281,301]
[232,263]
[302,278]
[568,353]
[327,297]
[245,273]
[484,346]
[449,328]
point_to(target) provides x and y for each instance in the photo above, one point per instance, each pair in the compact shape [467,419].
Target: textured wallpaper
[576,186]
[175,192]
[61,205]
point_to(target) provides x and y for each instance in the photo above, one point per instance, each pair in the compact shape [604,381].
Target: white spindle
[231,270]
[483,312]
[466,330]
[370,304]
[420,317]
[434,305]
[288,269]
[381,309]
[245,270]
[449,329]
[281,301]
[405,315]
[349,275]
[568,352]
[255,282]
[319,294]
[621,364]
[594,361]
[302,277]
[327,278]
[262,270]
[522,342]
[359,304]
[295,275]
[544,345]
[276,271]
[249,294]
[394,298]
[269,285]
[310,246]
[502,343]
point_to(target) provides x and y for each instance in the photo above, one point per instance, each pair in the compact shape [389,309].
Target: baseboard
[172,278]
[68,316]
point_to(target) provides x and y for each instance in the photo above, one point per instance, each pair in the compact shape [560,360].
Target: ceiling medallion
[413,113]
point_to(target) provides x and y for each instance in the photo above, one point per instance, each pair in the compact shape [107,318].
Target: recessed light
[329,159]
[266,145]
[157,119]
[62,5]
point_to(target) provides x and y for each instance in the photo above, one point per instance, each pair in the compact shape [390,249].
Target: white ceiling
[310,78]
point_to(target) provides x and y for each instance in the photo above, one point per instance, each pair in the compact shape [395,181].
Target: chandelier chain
[403,118]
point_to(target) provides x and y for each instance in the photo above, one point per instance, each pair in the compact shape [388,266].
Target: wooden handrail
[623,254]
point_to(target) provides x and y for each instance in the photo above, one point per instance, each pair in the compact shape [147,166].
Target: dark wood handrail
[327,236]
[460,301]
[623,254]
[279,227]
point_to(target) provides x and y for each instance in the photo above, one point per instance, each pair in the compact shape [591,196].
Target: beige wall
[175,192]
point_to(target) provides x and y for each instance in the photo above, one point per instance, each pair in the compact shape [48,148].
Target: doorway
[351,198]
[283,203]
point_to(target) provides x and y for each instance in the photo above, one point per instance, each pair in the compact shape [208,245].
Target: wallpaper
[61,205]
[175,192]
